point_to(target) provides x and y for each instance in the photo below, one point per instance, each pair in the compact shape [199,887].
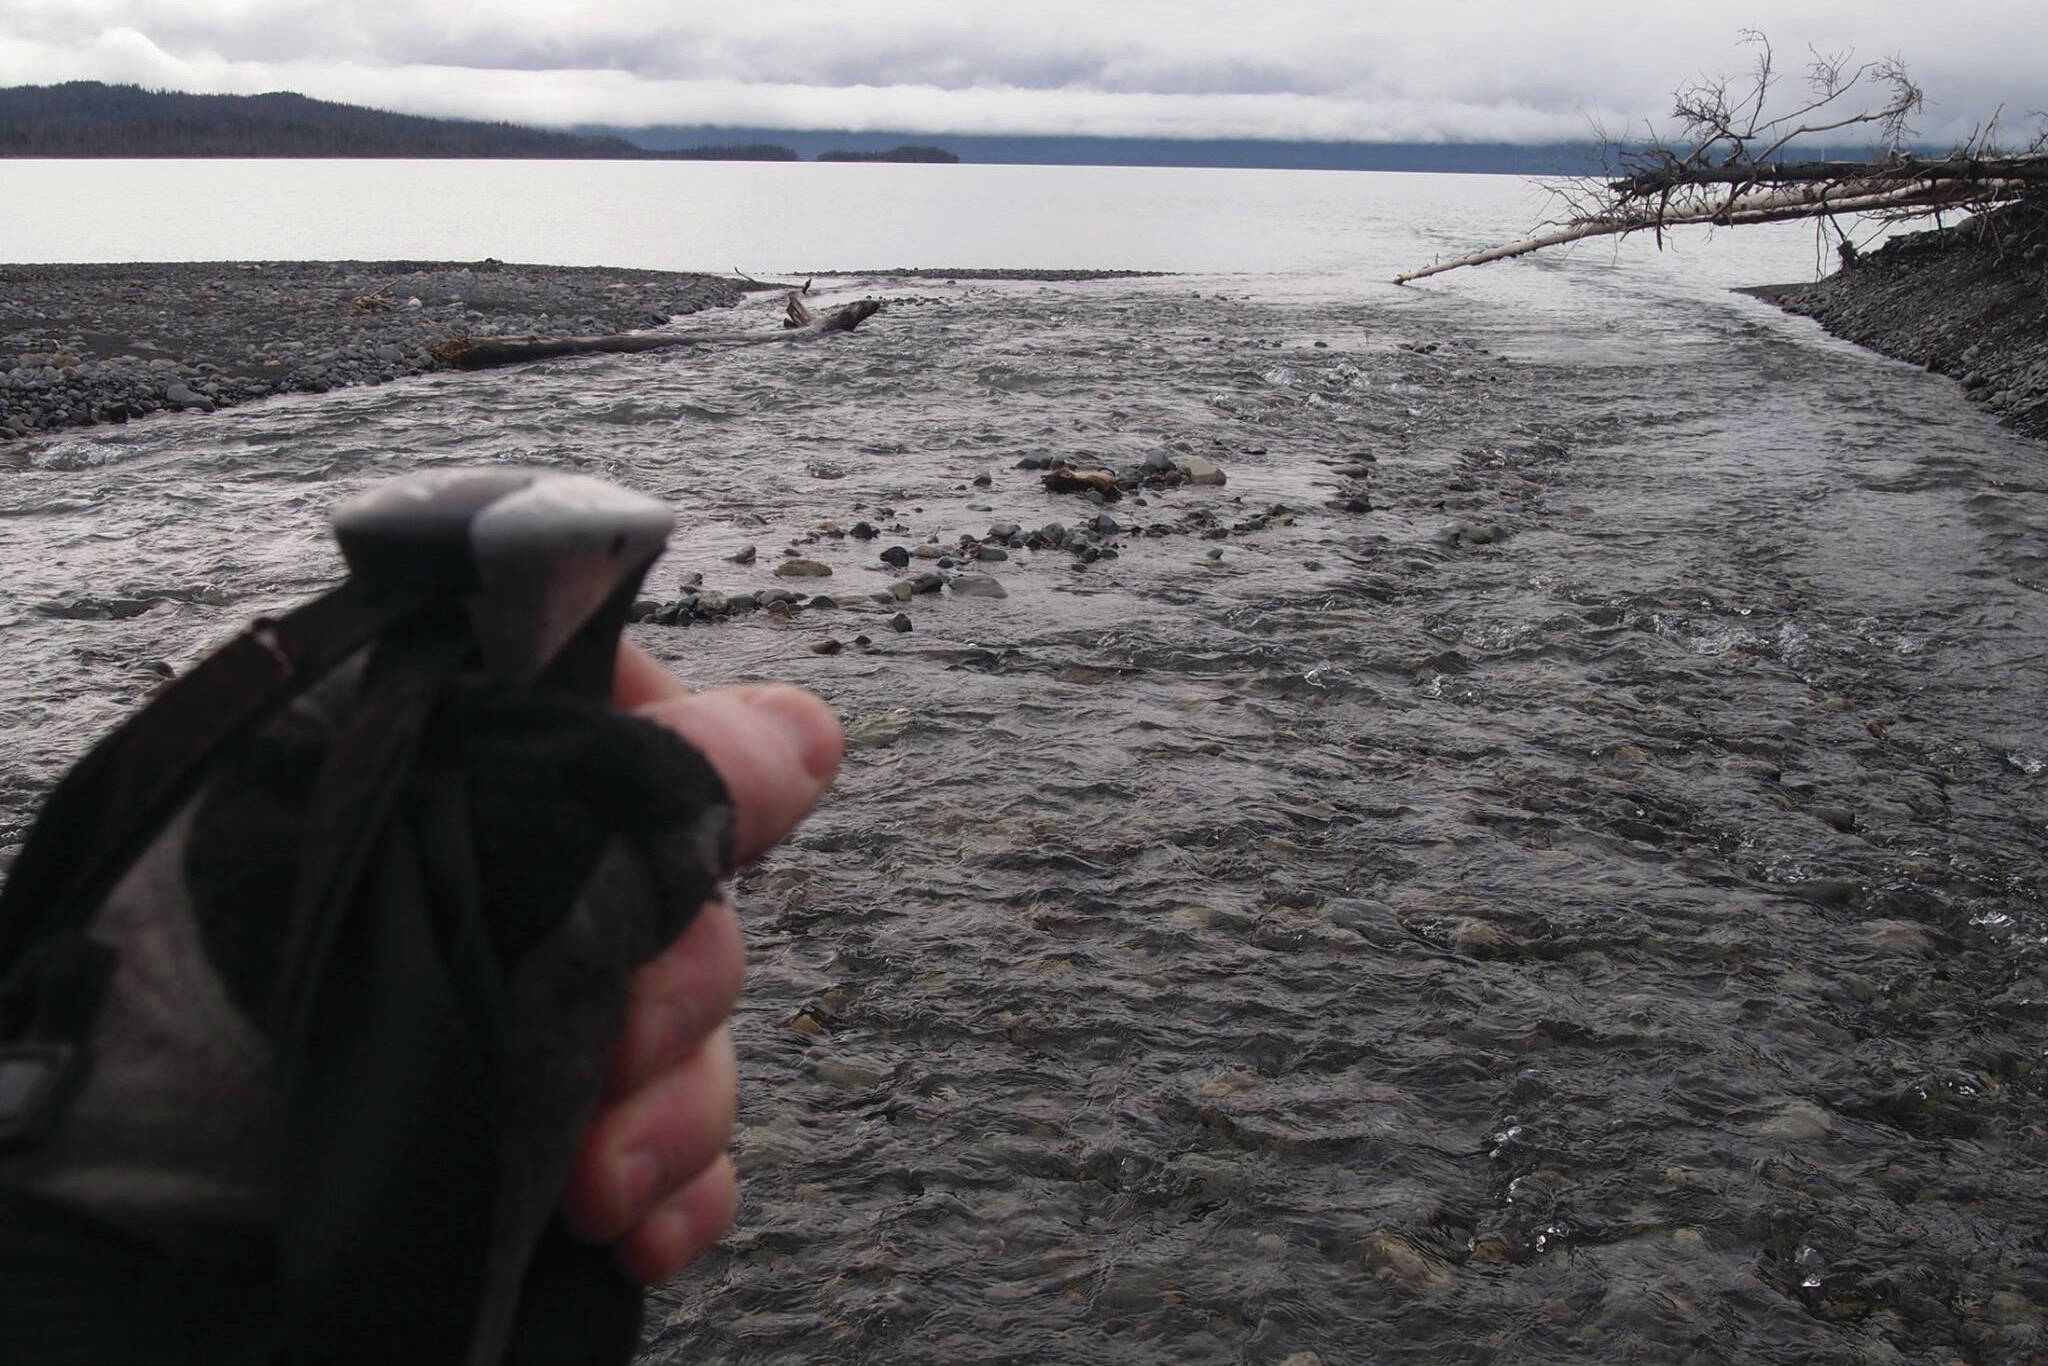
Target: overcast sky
[1408,70]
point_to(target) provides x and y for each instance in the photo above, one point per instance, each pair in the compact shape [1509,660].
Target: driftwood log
[799,323]
[1731,164]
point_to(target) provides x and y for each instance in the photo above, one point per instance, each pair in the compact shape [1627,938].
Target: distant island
[908,152]
[91,119]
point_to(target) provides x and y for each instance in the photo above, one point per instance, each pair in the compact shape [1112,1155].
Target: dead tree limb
[480,353]
[1728,168]
[1802,202]
[844,318]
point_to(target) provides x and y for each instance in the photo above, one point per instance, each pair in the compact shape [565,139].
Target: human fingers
[683,1227]
[677,999]
[639,1152]
[638,679]
[776,747]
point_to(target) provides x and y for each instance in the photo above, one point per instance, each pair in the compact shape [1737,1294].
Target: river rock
[1801,1121]
[978,586]
[1474,533]
[1477,939]
[1901,937]
[900,623]
[744,555]
[1397,1261]
[802,569]
[896,555]
[1200,471]
[852,1074]
[181,396]
[1096,483]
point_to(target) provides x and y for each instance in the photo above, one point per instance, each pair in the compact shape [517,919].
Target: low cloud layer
[1459,70]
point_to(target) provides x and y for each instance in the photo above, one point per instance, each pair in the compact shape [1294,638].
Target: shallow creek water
[1586,908]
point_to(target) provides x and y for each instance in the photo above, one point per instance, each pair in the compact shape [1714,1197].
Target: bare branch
[1725,163]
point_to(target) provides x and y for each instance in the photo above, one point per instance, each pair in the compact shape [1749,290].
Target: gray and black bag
[310,971]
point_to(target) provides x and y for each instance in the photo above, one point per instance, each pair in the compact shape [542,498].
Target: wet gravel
[81,345]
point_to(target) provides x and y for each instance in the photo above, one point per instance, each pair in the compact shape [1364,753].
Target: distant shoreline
[89,120]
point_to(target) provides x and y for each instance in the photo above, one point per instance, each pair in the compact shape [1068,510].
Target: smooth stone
[896,555]
[899,623]
[978,586]
[852,1073]
[1801,1121]
[744,555]
[927,552]
[802,569]
[1201,471]
[1897,936]
[827,646]
[1393,1258]
[1477,938]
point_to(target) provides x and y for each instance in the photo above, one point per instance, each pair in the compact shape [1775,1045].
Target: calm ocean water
[767,218]
[1545,865]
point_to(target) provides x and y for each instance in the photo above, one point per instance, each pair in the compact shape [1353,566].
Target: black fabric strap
[96,822]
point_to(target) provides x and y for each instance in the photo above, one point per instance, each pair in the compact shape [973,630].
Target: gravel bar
[82,344]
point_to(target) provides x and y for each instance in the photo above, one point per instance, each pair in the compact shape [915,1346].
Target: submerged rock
[978,586]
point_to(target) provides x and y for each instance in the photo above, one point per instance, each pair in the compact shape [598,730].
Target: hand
[652,1176]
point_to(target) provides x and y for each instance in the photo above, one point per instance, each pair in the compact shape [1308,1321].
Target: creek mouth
[1563,884]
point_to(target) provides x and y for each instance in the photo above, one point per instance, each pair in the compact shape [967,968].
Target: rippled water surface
[1586,908]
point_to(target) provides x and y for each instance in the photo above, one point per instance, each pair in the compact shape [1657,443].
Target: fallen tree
[799,323]
[1727,167]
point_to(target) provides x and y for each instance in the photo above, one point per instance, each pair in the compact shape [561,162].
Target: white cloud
[1465,69]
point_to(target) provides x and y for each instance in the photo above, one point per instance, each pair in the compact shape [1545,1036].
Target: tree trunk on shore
[799,324]
[1729,167]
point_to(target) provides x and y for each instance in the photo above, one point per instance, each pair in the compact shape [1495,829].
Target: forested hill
[88,119]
